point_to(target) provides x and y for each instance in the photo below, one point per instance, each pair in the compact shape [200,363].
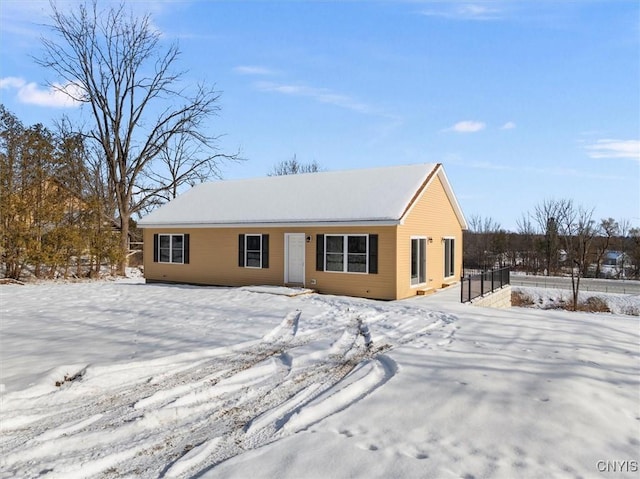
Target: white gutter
[302,224]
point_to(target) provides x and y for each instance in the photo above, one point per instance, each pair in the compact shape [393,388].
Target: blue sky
[521,101]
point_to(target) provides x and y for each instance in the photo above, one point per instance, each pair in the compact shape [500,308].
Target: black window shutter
[319,252]
[241,251]
[373,254]
[265,251]
[185,258]
[155,247]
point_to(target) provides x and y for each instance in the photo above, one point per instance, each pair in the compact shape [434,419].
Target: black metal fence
[475,285]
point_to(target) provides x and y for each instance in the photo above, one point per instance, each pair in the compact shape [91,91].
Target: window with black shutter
[171,248]
[253,251]
[373,254]
[319,252]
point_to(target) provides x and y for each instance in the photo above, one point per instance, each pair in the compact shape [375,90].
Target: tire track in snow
[186,421]
[309,396]
[117,409]
[207,372]
[281,403]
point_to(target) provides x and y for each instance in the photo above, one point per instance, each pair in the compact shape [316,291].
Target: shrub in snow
[518,298]
[594,304]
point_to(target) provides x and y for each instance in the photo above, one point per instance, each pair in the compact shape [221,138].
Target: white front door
[294,257]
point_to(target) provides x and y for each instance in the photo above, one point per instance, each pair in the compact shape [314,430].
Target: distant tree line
[294,167]
[543,251]
[557,238]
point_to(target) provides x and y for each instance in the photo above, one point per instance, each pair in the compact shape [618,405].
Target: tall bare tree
[116,65]
[546,215]
[608,229]
[180,162]
[576,229]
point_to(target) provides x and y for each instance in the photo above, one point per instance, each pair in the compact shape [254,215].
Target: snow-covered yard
[177,381]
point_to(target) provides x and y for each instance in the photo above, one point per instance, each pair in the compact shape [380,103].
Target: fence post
[492,284]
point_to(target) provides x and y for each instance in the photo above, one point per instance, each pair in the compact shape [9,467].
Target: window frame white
[171,248]
[345,252]
[449,260]
[422,261]
[247,251]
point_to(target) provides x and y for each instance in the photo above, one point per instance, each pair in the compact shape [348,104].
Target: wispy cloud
[465,11]
[607,148]
[519,169]
[508,126]
[11,82]
[467,126]
[32,94]
[254,70]
[573,173]
[322,95]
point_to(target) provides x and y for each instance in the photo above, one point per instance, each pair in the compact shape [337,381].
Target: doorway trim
[287,274]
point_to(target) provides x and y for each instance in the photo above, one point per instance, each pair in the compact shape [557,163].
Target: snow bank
[550,298]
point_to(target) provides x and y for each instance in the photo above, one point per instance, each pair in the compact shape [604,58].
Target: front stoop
[425,291]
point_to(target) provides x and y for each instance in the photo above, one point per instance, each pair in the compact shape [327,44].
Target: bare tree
[624,243]
[527,242]
[114,63]
[485,243]
[182,162]
[608,229]
[546,215]
[478,224]
[634,251]
[294,167]
[577,230]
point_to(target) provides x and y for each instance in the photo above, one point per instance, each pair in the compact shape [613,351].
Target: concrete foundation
[500,299]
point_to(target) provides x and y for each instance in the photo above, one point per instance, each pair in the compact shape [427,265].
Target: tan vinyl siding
[431,216]
[214,261]
[378,286]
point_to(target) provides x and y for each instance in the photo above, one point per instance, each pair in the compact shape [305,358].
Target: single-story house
[616,258]
[383,233]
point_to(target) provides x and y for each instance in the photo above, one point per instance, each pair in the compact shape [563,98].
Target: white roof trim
[304,224]
[452,198]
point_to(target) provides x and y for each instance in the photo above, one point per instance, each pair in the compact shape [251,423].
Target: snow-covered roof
[374,195]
